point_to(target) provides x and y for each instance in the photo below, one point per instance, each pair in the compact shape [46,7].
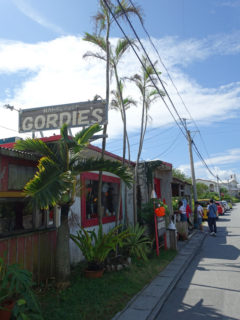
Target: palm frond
[114,167]
[97,40]
[35,145]
[122,46]
[90,54]
[48,184]
[82,137]
[129,10]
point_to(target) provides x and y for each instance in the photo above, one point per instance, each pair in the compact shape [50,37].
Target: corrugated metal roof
[17,153]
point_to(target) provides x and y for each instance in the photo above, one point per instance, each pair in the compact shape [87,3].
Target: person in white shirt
[182,211]
[199,215]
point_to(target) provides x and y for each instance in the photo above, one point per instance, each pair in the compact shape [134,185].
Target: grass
[101,299]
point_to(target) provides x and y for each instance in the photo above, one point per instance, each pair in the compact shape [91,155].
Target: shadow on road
[190,298]
[199,312]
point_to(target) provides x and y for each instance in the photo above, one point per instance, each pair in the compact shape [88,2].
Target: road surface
[210,287]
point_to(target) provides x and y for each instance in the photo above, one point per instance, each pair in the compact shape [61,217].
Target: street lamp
[7,106]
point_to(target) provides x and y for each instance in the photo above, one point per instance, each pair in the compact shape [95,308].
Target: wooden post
[156,231]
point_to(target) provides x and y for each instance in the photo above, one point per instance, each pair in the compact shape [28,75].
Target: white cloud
[25,7]
[215,163]
[59,74]
[230,3]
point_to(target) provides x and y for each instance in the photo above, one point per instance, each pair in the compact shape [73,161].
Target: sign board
[161,225]
[78,114]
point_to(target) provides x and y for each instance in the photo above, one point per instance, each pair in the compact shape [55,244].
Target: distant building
[212,185]
[231,185]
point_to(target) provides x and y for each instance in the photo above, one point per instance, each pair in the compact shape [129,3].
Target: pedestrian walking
[212,217]
[199,215]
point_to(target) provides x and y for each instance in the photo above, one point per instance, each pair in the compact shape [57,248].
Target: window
[18,176]
[15,215]
[89,198]
[18,216]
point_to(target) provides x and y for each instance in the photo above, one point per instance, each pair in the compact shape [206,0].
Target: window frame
[94,221]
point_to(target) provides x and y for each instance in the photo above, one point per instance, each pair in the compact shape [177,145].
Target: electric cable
[110,10]
[180,119]
[166,150]
[169,76]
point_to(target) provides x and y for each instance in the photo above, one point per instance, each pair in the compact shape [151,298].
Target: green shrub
[96,246]
[16,285]
[137,244]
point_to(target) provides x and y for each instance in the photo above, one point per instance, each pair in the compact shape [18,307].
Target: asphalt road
[210,287]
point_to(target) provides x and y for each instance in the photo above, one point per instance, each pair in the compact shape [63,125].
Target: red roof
[97,149]
[58,137]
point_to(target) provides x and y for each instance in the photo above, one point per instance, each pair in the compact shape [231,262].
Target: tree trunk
[99,207]
[137,161]
[62,250]
[124,142]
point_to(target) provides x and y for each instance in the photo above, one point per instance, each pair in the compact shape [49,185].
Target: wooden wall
[33,251]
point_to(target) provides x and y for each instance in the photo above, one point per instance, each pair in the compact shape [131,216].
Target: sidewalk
[149,301]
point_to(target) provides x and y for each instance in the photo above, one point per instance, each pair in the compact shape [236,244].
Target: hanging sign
[80,114]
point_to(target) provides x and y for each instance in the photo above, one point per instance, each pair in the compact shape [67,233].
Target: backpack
[212,210]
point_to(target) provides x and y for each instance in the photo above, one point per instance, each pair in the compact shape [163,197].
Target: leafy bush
[16,285]
[95,247]
[137,244]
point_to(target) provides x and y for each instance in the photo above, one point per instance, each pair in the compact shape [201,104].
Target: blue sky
[41,64]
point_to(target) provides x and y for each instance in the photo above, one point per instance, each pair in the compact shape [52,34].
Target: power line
[110,10]
[146,139]
[181,121]
[169,76]
[166,150]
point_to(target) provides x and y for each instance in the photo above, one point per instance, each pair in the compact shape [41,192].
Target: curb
[149,301]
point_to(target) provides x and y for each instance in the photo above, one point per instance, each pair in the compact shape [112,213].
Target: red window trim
[93,222]
[157,186]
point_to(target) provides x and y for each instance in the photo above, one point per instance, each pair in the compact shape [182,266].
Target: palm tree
[103,21]
[55,182]
[122,104]
[145,83]
[114,58]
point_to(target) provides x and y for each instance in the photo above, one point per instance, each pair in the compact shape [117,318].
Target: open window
[89,198]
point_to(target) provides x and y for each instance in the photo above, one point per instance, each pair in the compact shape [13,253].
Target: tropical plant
[55,182]
[202,189]
[181,175]
[146,215]
[137,244]
[114,58]
[16,285]
[96,246]
[145,83]
[103,21]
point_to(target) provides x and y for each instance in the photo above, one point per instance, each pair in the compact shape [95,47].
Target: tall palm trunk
[99,207]
[135,184]
[123,112]
[62,250]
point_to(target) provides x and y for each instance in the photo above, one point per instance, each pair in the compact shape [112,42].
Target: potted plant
[96,246]
[16,295]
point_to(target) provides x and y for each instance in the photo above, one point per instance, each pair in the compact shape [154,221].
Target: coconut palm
[145,82]
[55,182]
[103,21]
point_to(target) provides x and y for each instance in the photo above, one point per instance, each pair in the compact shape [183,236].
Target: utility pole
[192,167]
[219,192]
